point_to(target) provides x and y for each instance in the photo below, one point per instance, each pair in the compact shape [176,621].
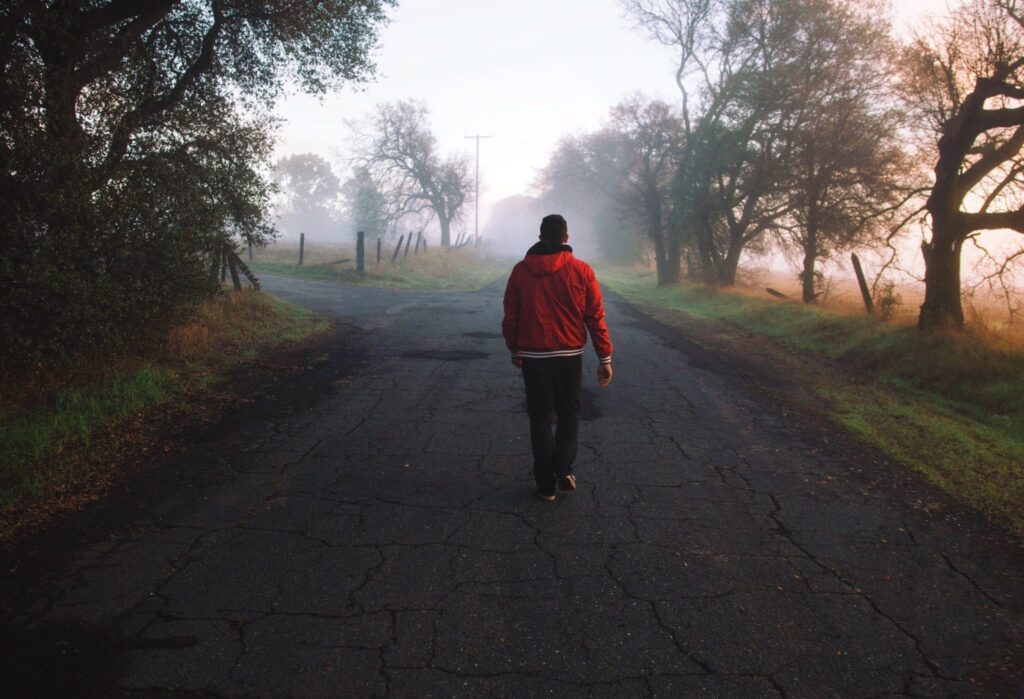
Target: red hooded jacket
[551,300]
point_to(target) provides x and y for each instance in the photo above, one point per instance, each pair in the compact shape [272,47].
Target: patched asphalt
[373,532]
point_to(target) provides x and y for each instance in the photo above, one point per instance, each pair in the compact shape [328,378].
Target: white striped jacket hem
[558,353]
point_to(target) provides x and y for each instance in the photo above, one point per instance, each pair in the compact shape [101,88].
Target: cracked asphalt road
[380,538]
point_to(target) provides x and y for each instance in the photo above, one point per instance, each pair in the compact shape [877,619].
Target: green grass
[26,439]
[977,463]
[948,406]
[460,270]
[48,424]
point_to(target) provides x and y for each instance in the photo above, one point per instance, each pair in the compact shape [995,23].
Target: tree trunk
[446,230]
[941,309]
[673,259]
[660,259]
[728,267]
[810,257]
[706,251]
[656,232]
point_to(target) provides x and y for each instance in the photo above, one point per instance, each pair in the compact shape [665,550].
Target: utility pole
[476,228]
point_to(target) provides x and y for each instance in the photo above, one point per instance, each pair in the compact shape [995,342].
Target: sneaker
[545,495]
[567,482]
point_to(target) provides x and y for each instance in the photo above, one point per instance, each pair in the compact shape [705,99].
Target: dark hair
[553,228]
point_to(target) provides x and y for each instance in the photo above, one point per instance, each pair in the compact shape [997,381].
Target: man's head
[554,229]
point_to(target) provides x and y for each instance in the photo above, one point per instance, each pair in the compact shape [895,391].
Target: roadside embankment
[948,406]
[66,430]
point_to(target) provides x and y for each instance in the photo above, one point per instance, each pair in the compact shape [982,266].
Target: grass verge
[458,270]
[948,406]
[53,420]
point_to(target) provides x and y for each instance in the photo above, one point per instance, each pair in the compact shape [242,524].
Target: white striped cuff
[605,360]
[553,353]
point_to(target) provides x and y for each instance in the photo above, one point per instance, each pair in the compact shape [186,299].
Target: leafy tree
[399,151]
[366,205]
[727,188]
[731,189]
[788,126]
[692,28]
[133,135]
[583,180]
[310,195]
[849,171]
[966,81]
[614,183]
[653,136]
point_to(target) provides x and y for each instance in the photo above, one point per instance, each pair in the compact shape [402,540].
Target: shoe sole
[567,483]
[549,498]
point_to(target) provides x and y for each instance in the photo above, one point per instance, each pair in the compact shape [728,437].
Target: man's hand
[517,362]
[604,374]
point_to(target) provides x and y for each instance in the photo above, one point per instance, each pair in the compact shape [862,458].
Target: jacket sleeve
[510,322]
[593,316]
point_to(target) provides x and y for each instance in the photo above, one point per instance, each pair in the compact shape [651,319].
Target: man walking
[551,301]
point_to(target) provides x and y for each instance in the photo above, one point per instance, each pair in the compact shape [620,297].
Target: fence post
[408,242]
[302,247]
[378,251]
[419,237]
[223,264]
[244,269]
[235,281]
[864,291]
[398,249]
[360,251]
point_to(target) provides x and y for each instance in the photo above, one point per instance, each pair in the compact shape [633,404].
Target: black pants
[553,388]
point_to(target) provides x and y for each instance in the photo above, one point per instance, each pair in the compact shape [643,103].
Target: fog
[527,73]
[530,76]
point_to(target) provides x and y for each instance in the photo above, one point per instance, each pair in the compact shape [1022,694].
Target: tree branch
[146,15]
[985,221]
[154,105]
[988,162]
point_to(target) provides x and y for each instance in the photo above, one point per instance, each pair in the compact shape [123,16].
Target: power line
[476,227]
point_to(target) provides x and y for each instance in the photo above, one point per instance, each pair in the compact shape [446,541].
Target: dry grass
[436,270]
[314,253]
[235,326]
[987,318]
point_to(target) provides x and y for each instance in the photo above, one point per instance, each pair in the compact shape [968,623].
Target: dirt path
[372,531]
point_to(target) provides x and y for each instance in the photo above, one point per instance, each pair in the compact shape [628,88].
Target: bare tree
[967,80]
[399,152]
[687,26]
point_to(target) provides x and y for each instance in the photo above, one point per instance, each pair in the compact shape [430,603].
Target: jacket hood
[546,258]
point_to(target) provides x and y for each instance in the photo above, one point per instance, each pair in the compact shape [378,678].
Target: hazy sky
[526,72]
